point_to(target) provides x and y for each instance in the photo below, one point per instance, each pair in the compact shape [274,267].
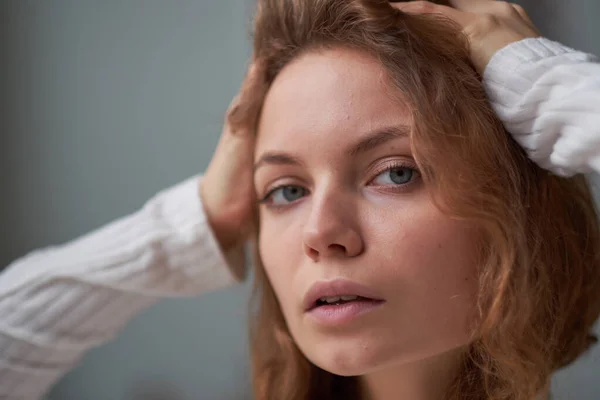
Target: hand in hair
[227,189]
[490,25]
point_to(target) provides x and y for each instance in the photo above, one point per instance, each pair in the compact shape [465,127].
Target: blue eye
[396,176]
[284,195]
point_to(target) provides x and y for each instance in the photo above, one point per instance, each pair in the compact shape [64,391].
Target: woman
[426,257]
[79,295]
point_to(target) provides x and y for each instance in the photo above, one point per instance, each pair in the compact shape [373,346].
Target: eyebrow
[379,137]
[371,141]
[276,158]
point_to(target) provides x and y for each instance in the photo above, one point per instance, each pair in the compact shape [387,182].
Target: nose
[332,230]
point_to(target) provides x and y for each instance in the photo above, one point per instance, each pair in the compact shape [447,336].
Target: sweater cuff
[514,69]
[194,249]
[524,51]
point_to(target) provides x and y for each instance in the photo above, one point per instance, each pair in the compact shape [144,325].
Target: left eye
[285,195]
[395,176]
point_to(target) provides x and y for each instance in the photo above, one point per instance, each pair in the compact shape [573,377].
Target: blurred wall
[104,103]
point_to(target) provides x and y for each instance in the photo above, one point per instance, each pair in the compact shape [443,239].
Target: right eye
[284,195]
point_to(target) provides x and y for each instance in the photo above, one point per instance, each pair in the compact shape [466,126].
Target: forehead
[329,95]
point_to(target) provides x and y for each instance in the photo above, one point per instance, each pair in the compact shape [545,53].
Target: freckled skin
[395,242]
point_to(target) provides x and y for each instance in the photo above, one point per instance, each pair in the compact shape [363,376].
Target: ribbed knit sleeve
[548,97]
[57,303]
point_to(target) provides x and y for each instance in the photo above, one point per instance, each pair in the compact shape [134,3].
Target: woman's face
[368,272]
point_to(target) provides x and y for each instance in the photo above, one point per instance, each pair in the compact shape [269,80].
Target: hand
[227,188]
[490,25]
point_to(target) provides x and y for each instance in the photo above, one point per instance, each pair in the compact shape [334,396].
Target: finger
[233,105]
[421,7]
[483,6]
[439,2]
[250,79]
[245,87]
[471,5]
[426,7]
[235,116]
[495,7]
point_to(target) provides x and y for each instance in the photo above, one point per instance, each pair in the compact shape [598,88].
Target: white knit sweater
[57,303]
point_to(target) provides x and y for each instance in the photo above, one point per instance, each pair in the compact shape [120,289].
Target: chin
[346,357]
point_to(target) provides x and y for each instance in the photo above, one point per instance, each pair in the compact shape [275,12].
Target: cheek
[434,249]
[435,271]
[419,241]
[279,264]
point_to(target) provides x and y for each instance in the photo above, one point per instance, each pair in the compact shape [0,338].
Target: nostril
[337,248]
[311,253]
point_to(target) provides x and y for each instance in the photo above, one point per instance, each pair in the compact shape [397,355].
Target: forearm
[57,303]
[548,97]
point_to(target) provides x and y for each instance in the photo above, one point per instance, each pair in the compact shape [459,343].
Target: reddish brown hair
[540,247]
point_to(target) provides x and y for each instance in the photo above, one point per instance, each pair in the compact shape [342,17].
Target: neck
[425,379]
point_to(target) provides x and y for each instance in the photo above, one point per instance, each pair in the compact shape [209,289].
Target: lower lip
[343,313]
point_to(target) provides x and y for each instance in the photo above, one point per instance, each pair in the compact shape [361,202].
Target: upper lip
[336,287]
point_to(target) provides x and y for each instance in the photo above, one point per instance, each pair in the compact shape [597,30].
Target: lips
[337,292]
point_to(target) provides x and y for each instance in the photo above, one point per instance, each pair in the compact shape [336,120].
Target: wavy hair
[539,279]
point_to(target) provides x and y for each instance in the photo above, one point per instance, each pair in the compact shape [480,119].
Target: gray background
[105,102]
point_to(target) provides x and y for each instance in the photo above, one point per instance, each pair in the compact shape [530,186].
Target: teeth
[332,299]
[336,299]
